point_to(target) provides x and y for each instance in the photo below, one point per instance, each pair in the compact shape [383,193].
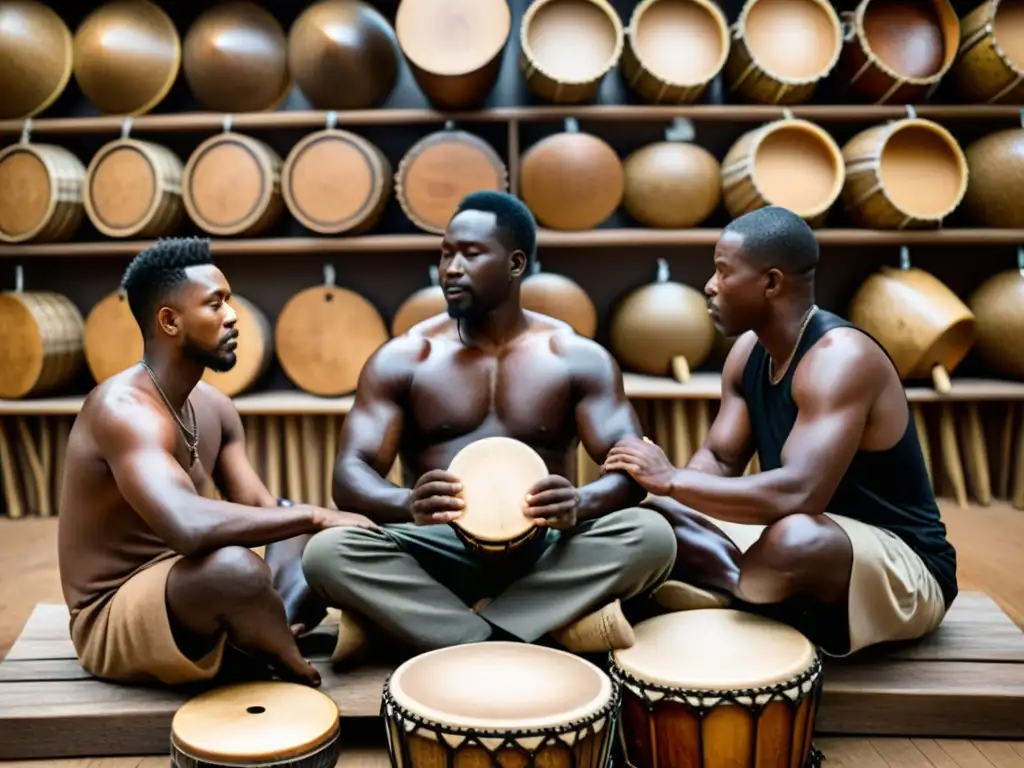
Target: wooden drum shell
[995,184]
[752,79]
[865,73]
[112,338]
[870,196]
[560,297]
[154,188]
[254,353]
[984,71]
[41,348]
[918,320]
[314,173]
[671,184]
[229,189]
[41,187]
[998,306]
[36,59]
[655,88]
[550,86]
[419,306]
[442,168]
[744,191]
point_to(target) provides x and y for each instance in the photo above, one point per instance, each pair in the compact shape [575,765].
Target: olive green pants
[418,583]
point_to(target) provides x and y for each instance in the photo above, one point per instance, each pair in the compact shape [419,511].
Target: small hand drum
[496,474]
[498,703]
[286,725]
[718,688]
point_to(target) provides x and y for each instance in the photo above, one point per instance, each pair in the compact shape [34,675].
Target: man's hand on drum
[644,461]
[552,503]
[434,498]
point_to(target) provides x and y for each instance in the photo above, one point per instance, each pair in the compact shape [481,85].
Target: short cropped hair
[776,237]
[156,271]
[516,225]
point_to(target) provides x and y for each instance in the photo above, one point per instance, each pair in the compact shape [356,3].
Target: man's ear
[168,321]
[517,264]
[773,282]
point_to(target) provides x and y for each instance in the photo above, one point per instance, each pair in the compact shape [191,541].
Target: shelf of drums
[336,183]
[659,333]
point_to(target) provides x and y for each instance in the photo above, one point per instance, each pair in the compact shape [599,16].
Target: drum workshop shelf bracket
[126,128]
[26,131]
[680,129]
[330,276]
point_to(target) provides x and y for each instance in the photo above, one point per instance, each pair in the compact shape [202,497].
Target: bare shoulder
[587,361]
[119,416]
[392,366]
[843,365]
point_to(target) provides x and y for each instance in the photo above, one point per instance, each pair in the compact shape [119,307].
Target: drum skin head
[715,649]
[500,685]
[250,723]
[496,474]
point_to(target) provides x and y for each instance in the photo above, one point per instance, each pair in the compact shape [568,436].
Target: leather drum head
[496,474]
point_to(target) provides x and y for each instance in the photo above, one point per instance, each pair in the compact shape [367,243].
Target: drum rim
[528,53]
[990,26]
[604,705]
[812,674]
[462,72]
[858,36]
[159,194]
[65,75]
[530,527]
[837,51]
[712,10]
[825,137]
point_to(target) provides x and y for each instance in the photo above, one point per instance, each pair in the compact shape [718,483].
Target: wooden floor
[989,541]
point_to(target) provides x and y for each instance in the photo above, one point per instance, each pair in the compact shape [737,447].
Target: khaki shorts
[893,595]
[125,636]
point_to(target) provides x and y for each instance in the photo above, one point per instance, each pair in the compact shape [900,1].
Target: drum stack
[335,138]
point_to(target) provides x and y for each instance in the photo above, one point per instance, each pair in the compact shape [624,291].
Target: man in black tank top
[839,533]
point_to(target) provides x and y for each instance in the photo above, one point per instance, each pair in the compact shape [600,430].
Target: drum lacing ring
[686,696]
[391,711]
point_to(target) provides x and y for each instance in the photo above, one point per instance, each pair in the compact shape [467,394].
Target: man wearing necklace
[840,533]
[158,578]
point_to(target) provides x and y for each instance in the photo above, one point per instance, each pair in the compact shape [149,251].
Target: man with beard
[487,368]
[840,533]
[158,579]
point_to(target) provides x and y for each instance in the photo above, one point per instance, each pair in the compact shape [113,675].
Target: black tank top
[887,489]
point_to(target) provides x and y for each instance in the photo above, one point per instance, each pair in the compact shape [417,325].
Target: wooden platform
[966,680]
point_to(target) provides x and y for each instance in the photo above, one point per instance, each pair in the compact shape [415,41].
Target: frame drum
[718,688]
[498,703]
[286,725]
[496,474]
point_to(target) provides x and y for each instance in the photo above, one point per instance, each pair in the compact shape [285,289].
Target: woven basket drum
[905,174]
[789,162]
[921,323]
[568,46]
[674,49]
[40,193]
[40,343]
[995,180]
[254,353]
[127,56]
[782,50]
[335,182]
[998,305]
[454,48]
[898,51]
[989,66]
[441,169]
[232,185]
[133,189]
[36,58]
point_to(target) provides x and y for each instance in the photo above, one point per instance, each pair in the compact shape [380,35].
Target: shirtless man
[486,368]
[158,578]
[840,532]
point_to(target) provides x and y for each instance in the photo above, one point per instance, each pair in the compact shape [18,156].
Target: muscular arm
[233,473]
[604,416]
[729,444]
[834,390]
[370,437]
[139,448]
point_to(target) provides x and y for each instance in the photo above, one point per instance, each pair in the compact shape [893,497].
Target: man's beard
[219,360]
[465,308]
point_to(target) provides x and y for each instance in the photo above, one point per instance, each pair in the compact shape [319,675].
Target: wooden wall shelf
[212,121]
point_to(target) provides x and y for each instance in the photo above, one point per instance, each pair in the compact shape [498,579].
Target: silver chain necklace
[191,437]
[799,336]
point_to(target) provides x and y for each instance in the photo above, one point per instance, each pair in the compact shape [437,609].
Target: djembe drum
[286,725]
[496,474]
[499,703]
[718,688]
